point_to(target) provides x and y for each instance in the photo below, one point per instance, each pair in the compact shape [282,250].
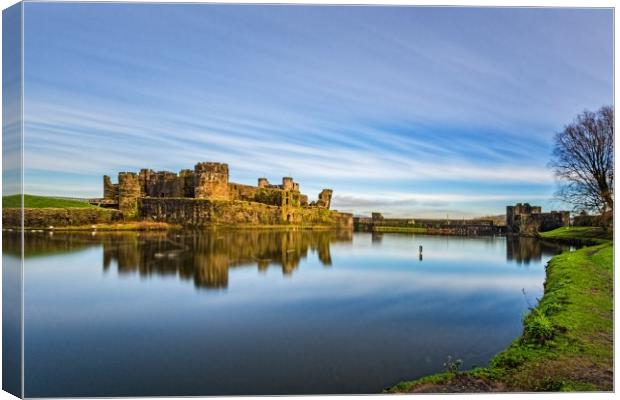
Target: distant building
[528,219]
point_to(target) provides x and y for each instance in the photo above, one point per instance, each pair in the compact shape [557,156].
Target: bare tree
[583,161]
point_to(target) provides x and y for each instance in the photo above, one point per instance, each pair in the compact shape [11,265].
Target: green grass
[32,201]
[567,341]
[593,235]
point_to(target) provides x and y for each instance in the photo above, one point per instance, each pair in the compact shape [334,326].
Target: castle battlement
[207,181]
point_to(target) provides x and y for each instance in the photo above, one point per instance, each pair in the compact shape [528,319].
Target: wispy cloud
[407,102]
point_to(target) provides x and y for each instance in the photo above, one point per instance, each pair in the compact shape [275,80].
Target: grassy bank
[116,226]
[567,340]
[584,234]
[32,201]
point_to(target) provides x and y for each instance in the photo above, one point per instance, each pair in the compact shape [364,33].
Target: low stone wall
[45,217]
[472,227]
[237,191]
[205,212]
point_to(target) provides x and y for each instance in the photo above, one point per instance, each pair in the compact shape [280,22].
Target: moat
[265,312]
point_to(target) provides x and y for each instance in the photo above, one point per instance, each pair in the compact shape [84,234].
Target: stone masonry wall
[206,212]
[237,191]
[211,181]
[58,217]
[128,194]
[110,191]
[325,198]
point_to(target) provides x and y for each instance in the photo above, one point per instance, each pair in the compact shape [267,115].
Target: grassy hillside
[567,340]
[32,201]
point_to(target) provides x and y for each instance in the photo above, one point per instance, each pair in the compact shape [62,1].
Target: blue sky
[408,110]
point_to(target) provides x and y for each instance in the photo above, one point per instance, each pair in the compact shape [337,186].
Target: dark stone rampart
[207,212]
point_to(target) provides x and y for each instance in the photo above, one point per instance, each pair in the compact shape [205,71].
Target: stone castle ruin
[527,219]
[205,195]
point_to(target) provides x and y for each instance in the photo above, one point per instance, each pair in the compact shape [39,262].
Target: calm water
[265,312]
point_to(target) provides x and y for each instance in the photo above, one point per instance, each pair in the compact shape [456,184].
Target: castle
[204,195]
[528,219]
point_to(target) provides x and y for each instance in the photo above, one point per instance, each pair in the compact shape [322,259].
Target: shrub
[538,328]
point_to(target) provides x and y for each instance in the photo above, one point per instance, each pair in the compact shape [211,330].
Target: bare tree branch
[583,161]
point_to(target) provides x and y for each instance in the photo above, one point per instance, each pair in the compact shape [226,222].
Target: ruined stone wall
[129,191]
[263,183]
[211,181]
[274,197]
[58,217]
[325,198]
[110,191]
[510,216]
[206,212]
[144,177]
[241,192]
[188,182]
[467,227]
[526,224]
[287,183]
[163,184]
[318,216]
[553,220]
[528,220]
[523,218]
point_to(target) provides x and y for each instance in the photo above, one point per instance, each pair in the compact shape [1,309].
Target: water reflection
[524,250]
[207,257]
[376,237]
[355,312]
[204,257]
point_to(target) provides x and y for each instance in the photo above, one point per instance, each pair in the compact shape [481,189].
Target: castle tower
[128,194]
[263,183]
[510,216]
[145,177]
[287,183]
[325,198]
[211,181]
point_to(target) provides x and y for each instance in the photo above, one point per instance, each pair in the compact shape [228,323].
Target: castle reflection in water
[524,250]
[202,256]
[205,257]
